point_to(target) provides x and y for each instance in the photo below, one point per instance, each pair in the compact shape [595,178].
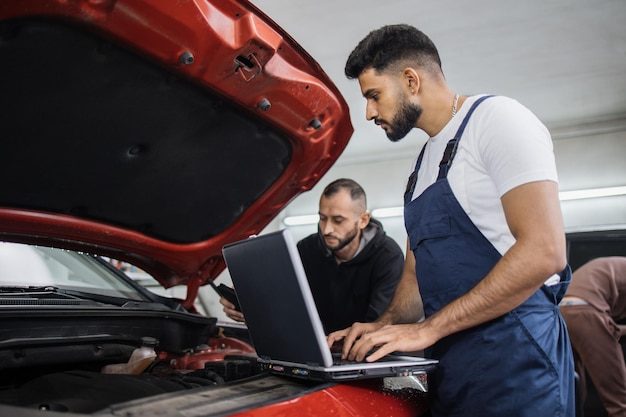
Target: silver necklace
[456,100]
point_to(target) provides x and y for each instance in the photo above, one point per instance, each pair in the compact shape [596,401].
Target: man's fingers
[362,347]
[234,314]
[356,344]
[351,339]
[374,345]
[334,337]
[382,350]
[226,304]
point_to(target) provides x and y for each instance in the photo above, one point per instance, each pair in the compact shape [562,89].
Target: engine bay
[75,382]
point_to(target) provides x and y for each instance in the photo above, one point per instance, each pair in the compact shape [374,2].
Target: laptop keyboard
[338,361]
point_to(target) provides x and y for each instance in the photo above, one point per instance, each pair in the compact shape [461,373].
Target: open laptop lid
[276,300]
[282,319]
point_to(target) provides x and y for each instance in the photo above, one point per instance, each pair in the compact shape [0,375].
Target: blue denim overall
[519,364]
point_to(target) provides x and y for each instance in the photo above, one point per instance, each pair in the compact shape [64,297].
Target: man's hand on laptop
[230,311]
[353,341]
[372,341]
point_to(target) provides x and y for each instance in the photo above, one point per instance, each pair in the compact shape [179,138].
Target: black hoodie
[356,290]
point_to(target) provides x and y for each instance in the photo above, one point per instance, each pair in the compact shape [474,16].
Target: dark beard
[404,121]
[346,241]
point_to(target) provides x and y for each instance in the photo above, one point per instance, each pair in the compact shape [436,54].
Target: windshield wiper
[21,290]
[38,295]
[118,301]
[49,294]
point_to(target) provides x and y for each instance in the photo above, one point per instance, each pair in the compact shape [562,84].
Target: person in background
[352,266]
[592,307]
[486,255]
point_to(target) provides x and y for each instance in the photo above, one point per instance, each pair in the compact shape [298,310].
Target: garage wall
[592,161]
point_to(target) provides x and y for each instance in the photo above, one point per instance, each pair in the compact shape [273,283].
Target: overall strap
[451,147]
[410,185]
[448,154]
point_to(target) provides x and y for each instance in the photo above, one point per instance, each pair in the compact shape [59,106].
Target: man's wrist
[384,320]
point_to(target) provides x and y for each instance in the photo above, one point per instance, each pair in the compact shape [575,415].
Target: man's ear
[411,80]
[364,219]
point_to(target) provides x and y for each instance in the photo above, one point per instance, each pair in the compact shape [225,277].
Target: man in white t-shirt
[485,240]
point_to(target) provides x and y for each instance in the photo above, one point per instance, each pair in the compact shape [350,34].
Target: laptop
[282,319]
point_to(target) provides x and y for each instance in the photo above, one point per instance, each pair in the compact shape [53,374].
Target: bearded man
[352,266]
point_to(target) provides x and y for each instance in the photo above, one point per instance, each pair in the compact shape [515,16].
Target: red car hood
[157,131]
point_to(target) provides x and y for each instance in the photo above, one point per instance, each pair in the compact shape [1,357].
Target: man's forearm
[406,305]
[512,280]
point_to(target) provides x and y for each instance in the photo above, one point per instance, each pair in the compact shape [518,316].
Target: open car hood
[155,131]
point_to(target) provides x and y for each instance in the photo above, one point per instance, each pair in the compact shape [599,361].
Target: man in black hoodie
[352,266]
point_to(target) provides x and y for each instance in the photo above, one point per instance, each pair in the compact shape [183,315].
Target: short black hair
[383,48]
[356,191]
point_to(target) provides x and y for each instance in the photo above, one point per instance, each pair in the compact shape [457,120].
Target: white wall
[592,161]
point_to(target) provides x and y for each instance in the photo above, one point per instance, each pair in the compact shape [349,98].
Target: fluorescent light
[399,210]
[388,212]
[592,193]
[301,220]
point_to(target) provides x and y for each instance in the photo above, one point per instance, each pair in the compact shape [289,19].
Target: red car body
[154,132]
[232,50]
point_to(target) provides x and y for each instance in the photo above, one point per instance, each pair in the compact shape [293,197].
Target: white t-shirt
[504,145]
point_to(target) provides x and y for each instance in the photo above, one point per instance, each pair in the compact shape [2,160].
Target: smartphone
[226,292]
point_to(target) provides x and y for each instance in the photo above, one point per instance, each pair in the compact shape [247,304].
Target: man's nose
[370,112]
[327,228]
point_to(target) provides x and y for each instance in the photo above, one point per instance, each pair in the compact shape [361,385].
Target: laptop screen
[275,298]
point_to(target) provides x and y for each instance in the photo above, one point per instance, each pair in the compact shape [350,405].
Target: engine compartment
[80,386]
[64,358]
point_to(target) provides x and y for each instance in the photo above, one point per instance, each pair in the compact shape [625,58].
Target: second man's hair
[356,191]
